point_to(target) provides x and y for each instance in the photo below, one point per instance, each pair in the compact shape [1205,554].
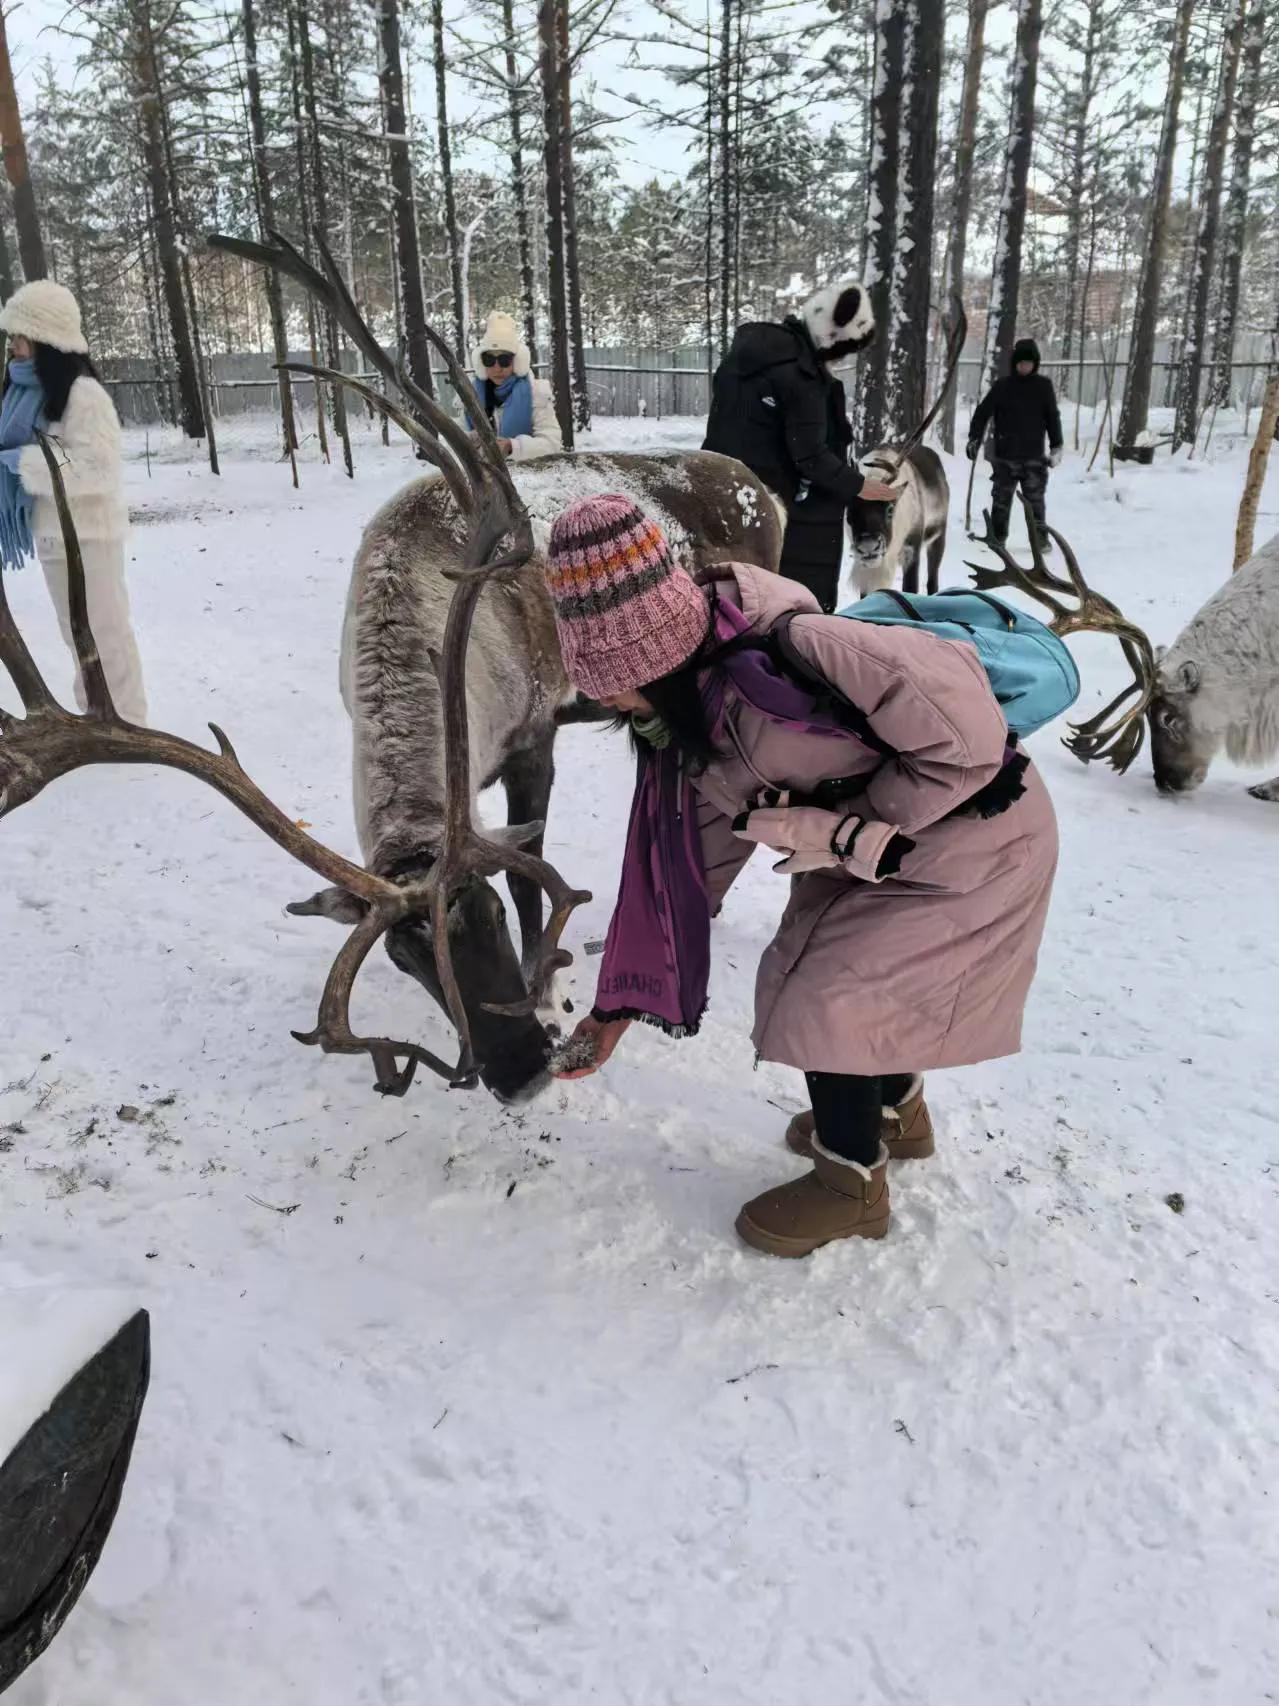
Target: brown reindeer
[713,511]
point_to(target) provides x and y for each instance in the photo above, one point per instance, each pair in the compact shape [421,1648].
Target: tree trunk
[321,206]
[1002,328]
[568,184]
[965,146]
[417,346]
[560,378]
[1236,219]
[1267,428]
[452,236]
[725,172]
[151,119]
[519,189]
[912,261]
[1078,173]
[304,214]
[881,224]
[266,220]
[1186,425]
[6,263]
[25,215]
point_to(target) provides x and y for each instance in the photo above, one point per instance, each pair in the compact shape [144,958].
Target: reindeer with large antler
[48,741]
[1117,732]
[398,607]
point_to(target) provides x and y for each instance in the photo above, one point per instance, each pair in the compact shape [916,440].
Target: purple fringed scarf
[657,957]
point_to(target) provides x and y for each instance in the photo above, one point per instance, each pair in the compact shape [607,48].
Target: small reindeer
[48,741]
[899,536]
[893,538]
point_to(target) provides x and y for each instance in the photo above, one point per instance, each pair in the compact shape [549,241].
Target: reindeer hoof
[1268,791]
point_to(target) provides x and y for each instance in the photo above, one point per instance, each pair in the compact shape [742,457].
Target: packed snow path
[453,1406]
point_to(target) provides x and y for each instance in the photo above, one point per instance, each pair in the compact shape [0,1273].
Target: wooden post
[1260,455]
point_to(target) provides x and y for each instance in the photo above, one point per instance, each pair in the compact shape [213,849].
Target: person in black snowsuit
[1023,407]
[776,407]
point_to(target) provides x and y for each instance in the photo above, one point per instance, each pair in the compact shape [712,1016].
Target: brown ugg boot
[838,1199]
[906,1132]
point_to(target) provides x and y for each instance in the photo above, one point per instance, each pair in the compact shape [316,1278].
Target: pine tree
[1186,425]
[25,216]
[907,369]
[961,204]
[881,224]
[1236,216]
[1006,282]
[408,255]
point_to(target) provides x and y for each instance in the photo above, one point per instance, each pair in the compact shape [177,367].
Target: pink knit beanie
[625,610]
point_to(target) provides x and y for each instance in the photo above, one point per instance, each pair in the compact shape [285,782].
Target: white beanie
[47,313]
[501,333]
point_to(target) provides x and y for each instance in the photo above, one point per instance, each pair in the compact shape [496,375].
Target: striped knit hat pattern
[626,612]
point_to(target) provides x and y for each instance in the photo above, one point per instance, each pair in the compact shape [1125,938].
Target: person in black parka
[776,407]
[1023,407]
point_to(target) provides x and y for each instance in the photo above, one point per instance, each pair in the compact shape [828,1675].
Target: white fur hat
[840,318]
[501,333]
[47,313]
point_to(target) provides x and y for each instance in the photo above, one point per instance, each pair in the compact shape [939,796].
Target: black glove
[971,449]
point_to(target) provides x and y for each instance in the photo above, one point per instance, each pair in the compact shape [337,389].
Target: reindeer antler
[1120,741]
[956,329]
[49,741]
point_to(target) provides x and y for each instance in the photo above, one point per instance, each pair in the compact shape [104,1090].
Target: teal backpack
[1031,671]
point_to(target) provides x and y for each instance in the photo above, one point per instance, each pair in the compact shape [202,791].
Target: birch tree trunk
[26,218]
[519,189]
[265,197]
[412,303]
[965,146]
[1236,217]
[1186,425]
[568,186]
[907,377]
[881,223]
[1002,327]
[548,40]
[452,236]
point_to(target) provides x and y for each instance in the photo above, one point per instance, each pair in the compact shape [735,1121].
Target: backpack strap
[782,648]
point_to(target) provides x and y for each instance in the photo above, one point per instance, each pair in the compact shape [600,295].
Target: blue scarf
[513,405]
[21,413]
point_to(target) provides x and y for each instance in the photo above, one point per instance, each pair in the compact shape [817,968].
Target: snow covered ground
[453,1406]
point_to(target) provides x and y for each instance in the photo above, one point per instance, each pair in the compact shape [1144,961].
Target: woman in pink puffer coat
[922,848]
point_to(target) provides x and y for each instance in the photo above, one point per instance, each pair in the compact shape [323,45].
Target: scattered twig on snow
[1176,1202]
[510,1189]
[904,1430]
[435,1424]
[276,1208]
[759,1368]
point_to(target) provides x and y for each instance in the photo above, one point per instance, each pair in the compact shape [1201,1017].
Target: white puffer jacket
[88,440]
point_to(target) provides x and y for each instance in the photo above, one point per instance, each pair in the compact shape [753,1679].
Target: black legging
[848,1110]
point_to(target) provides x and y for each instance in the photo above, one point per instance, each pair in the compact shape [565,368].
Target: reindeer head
[1183,742]
[420,913]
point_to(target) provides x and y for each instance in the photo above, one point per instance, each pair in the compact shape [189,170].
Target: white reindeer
[1218,683]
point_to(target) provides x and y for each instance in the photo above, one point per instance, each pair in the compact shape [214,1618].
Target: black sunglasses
[498,358]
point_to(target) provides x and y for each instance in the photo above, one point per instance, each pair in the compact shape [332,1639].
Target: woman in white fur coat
[520,406]
[51,386]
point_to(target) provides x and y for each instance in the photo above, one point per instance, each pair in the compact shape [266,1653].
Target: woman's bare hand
[590,1046]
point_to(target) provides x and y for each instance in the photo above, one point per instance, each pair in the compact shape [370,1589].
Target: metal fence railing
[650,383]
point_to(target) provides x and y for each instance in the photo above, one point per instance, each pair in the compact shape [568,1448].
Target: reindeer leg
[910,567]
[527,778]
[936,551]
